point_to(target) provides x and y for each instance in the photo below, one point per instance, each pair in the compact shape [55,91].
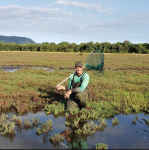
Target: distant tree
[126,45]
[106,47]
[1,46]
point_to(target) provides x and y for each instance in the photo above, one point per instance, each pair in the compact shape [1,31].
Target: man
[77,89]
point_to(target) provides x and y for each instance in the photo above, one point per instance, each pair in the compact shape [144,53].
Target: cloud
[28,12]
[97,7]
[36,20]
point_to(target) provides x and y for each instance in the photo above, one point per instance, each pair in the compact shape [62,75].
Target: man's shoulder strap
[82,76]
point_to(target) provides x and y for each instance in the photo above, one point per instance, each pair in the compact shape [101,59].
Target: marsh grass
[67,60]
[111,93]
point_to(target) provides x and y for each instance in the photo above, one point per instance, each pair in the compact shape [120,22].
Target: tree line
[105,47]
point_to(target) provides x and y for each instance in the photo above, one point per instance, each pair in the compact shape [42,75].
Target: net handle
[67,78]
[74,72]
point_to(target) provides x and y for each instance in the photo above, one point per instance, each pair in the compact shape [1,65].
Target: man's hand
[67,95]
[60,87]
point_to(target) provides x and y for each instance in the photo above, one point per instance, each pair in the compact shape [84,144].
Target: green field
[124,86]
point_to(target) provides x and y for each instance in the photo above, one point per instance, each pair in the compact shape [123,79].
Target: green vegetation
[115,121]
[55,109]
[18,121]
[56,138]
[111,93]
[101,146]
[89,129]
[45,128]
[106,47]
[27,123]
[15,39]
[7,128]
[35,121]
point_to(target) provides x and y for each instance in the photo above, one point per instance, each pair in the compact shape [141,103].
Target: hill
[16,39]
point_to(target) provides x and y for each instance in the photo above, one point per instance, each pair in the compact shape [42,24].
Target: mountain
[16,39]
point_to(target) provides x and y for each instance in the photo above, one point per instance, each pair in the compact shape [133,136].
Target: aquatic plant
[67,123]
[45,128]
[134,121]
[18,121]
[87,129]
[56,138]
[35,121]
[8,128]
[67,115]
[115,121]
[39,131]
[76,122]
[3,118]
[101,146]
[102,122]
[27,123]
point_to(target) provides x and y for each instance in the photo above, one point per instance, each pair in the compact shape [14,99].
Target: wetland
[117,113]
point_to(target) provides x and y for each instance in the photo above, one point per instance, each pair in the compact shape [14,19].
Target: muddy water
[123,136]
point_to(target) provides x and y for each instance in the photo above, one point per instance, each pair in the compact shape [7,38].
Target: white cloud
[97,7]
[36,20]
[27,12]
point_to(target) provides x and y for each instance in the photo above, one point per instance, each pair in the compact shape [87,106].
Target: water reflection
[125,135]
[75,141]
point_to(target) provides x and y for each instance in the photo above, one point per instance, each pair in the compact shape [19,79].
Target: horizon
[71,42]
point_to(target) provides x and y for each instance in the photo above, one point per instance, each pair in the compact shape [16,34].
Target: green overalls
[77,100]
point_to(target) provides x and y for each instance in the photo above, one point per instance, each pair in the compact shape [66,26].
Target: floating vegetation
[7,128]
[101,146]
[18,121]
[89,129]
[35,121]
[135,120]
[27,123]
[3,118]
[45,128]
[102,121]
[56,138]
[115,121]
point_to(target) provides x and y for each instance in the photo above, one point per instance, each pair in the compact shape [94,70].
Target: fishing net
[95,61]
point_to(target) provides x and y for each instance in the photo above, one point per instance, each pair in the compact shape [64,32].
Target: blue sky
[76,21]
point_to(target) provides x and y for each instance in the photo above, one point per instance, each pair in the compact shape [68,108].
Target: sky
[78,21]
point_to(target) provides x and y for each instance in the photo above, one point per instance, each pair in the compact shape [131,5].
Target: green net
[95,60]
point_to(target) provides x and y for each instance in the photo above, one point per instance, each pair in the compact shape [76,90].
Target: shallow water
[15,68]
[123,136]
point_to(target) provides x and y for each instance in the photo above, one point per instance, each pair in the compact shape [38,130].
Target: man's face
[79,69]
